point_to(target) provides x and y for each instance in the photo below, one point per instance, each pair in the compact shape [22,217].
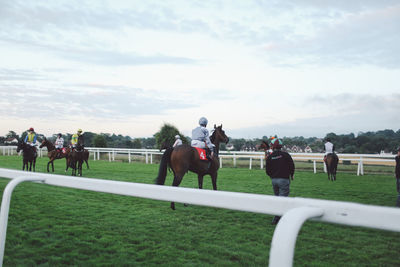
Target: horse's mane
[212,137]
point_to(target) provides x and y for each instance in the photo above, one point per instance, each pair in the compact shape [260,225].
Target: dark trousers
[281,188]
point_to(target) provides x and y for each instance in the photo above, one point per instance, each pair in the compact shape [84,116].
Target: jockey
[30,139]
[201,136]
[59,144]
[75,137]
[178,141]
[329,148]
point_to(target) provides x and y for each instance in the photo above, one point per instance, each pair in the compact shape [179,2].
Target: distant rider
[178,141]
[75,137]
[329,148]
[30,139]
[201,136]
[59,143]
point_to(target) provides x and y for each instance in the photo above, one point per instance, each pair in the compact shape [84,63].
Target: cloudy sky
[290,68]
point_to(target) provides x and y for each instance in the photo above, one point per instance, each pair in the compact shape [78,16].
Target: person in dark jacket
[280,167]
[397,158]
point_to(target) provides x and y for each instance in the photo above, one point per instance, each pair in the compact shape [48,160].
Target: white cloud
[249,65]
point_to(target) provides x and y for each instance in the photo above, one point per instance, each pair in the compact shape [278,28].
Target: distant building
[296,149]
[229,147]
[308,149]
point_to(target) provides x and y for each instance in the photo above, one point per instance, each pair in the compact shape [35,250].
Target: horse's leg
[334,172]
[200,178]
[80,167]
[86,160]
[214,180]
[73,167]
[177,181]
[67,163]
[327,170]
[48,164]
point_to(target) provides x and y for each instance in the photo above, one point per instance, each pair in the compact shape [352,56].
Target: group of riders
[31,138]
[200,139]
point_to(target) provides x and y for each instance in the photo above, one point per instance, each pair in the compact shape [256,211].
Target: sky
[259,68]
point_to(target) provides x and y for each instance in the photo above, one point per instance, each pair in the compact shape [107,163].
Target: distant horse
[29,155]
[76,157]
[264,146]
[53,154]
[331,162]
[184,158]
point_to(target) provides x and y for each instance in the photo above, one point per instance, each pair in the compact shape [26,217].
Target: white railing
[295,210]
[234,156]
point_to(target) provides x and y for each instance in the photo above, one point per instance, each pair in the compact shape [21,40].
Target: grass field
[53,226]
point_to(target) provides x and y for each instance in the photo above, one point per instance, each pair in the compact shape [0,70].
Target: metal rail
[295,211]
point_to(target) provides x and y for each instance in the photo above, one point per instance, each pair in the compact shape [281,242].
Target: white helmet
[177,136]
[203,121]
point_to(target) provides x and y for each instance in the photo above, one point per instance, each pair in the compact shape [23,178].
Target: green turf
[53,226]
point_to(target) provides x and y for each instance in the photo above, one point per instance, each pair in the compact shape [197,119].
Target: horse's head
[264,145]
[219,135]
[20,146]
[44,142]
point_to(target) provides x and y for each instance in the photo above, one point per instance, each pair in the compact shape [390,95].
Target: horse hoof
[185,204]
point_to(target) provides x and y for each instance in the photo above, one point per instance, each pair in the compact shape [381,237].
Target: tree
[137,143]
[12,134]
[99,141]
[166,136]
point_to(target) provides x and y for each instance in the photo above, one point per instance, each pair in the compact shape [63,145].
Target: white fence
[295,211]
[233,156]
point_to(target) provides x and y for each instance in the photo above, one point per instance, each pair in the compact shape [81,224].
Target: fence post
[5,207]
[251,160]
[315,166]
[285,235]
[234,160]
[129,156]
[325,170]
[261,163]
[220,162]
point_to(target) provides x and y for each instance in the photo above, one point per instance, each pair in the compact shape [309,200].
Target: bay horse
[184,158]
[28,155]
[331,162]
[53,154]
[77,156]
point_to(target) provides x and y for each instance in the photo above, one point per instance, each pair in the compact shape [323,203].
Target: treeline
[364,143]
[387,141]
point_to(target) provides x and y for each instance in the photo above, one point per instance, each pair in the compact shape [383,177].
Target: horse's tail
[162,171]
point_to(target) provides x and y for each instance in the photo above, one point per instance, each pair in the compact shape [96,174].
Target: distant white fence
[233,156]
[295,210]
